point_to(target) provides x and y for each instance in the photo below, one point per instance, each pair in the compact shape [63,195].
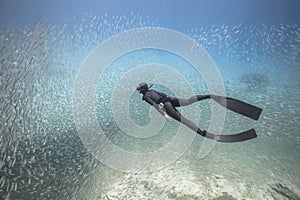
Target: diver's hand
[167,117]
[161,106]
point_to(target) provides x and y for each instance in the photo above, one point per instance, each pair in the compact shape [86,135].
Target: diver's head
[142,87]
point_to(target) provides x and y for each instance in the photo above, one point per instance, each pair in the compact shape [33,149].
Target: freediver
[166,106]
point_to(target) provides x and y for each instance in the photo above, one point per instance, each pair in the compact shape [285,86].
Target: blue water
[255,47]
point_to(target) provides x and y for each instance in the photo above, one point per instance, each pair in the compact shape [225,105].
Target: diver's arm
[155,105]
[160,109]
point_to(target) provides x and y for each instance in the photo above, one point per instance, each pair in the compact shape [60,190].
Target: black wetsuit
[154,98]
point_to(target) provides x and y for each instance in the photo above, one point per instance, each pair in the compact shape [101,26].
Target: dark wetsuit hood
[142,87]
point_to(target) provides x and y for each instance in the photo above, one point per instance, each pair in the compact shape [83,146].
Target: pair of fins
[241,108]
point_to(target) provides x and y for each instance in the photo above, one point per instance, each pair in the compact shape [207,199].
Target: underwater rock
[279,191]
[254,81]
[225,196]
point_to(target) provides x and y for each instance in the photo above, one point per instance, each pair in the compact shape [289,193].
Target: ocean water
[43,156]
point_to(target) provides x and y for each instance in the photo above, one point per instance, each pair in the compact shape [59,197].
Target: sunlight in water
[42,156]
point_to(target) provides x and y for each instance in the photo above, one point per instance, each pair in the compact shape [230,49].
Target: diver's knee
[167,104]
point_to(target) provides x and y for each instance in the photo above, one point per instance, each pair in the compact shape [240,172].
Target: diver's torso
[156,96]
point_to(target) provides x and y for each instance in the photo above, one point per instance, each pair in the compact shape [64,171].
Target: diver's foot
[202,97]
[203,133]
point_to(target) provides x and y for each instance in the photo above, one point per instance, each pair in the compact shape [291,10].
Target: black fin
[240,137]
[238,106]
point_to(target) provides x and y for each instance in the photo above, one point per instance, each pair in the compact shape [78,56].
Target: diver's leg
[202,97]
[177,102]
[234,105]
[246,135]
[177,116]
